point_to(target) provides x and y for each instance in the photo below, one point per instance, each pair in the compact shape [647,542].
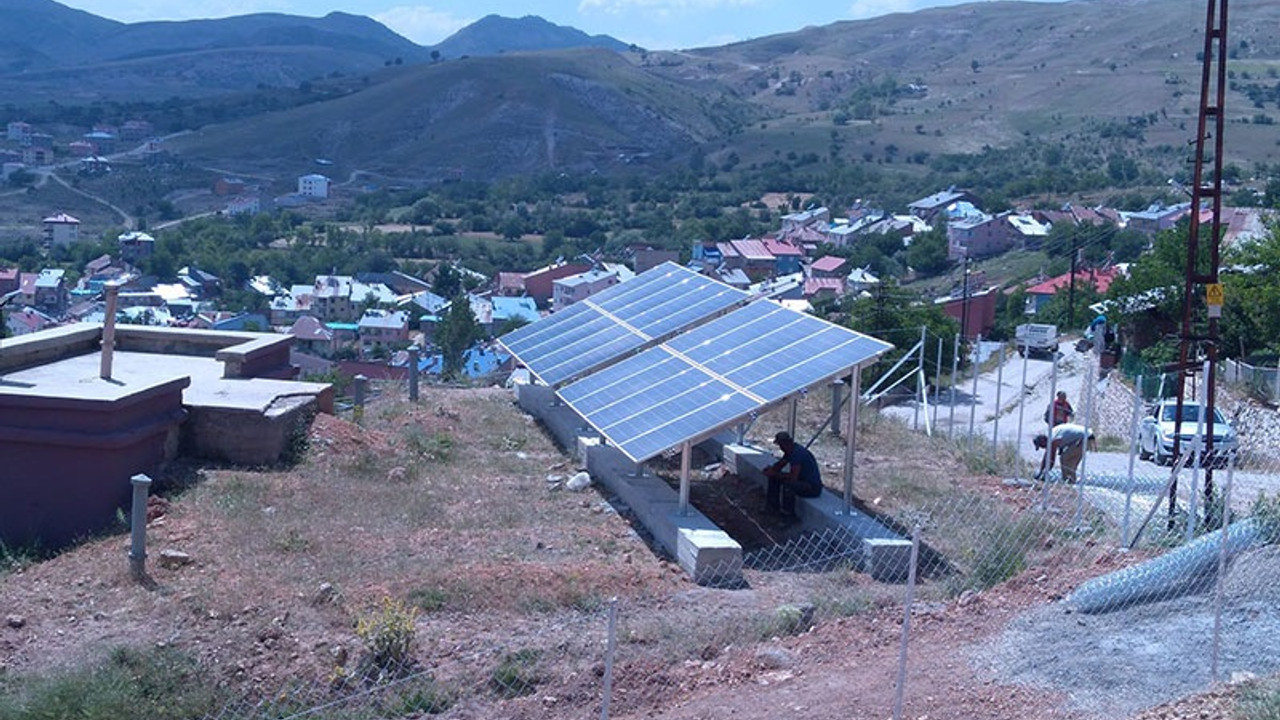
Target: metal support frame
[1213,86]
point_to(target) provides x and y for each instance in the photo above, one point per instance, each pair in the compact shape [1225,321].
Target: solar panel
[714,375]
[617,321]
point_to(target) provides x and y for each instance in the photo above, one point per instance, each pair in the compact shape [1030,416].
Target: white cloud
[421,23]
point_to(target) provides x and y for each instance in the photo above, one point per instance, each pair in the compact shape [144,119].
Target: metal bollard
[357,412]
[138,530]
[413,373]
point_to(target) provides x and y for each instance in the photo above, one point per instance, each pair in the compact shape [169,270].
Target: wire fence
[1167,567]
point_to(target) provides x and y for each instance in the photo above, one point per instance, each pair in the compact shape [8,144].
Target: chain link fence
[1166,589]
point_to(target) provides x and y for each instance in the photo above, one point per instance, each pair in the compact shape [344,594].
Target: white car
[1155,435]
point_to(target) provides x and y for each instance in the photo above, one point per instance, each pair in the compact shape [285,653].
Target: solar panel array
[616,321]
[714,375]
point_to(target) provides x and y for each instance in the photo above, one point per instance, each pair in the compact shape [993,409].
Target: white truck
[1037,340]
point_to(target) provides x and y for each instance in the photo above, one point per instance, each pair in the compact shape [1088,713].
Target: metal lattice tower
[1202,270]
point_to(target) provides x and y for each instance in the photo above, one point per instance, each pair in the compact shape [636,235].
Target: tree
[458,330]
[928,252]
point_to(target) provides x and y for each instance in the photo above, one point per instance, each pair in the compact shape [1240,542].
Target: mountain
[58,53]
[494,35]
[579,110]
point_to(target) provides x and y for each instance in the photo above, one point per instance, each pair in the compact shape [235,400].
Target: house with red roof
[1040,293]
[749,256]
[817,289]
[829,266]
[787,257]
[9,279]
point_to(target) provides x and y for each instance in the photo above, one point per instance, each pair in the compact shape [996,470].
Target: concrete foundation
[701,548]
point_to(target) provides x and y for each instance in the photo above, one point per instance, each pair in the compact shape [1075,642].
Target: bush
[388,634]
[156,684]
[516,675]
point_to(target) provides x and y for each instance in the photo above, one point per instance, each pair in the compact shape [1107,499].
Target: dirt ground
[250,602]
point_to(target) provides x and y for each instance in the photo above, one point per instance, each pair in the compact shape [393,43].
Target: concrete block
[746,462]
[887,559]
[709,555]
[583,448]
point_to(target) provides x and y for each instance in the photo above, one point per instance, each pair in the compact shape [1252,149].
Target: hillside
[578,110]
[495,35]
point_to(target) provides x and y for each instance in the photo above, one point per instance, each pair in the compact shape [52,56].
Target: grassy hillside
[581,110]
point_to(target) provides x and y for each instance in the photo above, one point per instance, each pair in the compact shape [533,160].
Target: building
[815,216]
[935,206]
[540,284]
[383,327]
[1041,293]
[828,266]
[136,245]
[61,230]
[314,186]
[787,257]
[51,293]
[977,237]
[1156,218]
[575,288]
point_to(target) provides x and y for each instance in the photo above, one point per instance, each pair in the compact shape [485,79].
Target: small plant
[1003,554]
[388,634]
[435,447]
[429,599]
[1266,509]
[431,700]
[516,675]
[1258,701]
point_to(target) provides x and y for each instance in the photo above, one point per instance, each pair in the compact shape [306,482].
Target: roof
[49,278]
[61,219]
[510,281]
[309,328]
[936,200]
[778,248]
[1100,279]
[862,276]
[752,249]
[384,319]
[135,236]
[507,308]
[586,278]
[813,286]
[828,263]
[1028,225]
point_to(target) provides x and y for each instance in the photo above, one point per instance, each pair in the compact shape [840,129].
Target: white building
[313,186]
[61,230]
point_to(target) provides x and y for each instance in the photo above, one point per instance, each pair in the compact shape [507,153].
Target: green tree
[928,252]
[457,332]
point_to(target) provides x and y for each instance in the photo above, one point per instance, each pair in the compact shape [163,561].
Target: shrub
[516,675]
[388,634]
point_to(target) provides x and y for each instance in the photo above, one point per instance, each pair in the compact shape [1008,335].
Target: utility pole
[1213,82]
[964,305]
[1071,289]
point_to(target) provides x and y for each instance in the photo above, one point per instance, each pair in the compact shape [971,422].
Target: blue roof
[476,362]
[507,308]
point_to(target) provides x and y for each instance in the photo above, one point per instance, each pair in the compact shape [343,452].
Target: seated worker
[1068,441]
[801,476]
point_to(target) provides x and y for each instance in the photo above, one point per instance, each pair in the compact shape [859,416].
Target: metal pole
[109,330]
[138,527]
[1197,447]
[1222,570]
[915,419]
[995,428]
[906,625]
[1022,412]
[360,381]
[835,406]
[686,458]
[973,397]
[1133,453]
[610,649]
[955,369]
[791,420]
[1090,387]
[851,438]
[937,383]
[413,373]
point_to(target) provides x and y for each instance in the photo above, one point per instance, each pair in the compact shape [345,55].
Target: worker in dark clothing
[795,474]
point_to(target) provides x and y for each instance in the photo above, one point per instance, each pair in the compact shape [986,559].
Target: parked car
[1155,435]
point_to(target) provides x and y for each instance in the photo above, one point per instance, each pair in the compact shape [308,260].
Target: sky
[653,24]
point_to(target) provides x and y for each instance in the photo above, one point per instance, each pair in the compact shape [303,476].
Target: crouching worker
[795,474]
[1068,442]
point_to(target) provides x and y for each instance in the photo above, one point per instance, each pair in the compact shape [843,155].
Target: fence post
[1022,414]
[973,397]
[906,624]
[610,647]
[138,527]
[915,418]
[109,330]
[1222,570]
[413,373]
[995,426]
[937,384]
[955,369]
[360,383]
[1133,452]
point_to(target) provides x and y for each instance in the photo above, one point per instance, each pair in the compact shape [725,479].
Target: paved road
[1007,404]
